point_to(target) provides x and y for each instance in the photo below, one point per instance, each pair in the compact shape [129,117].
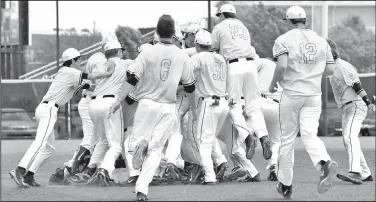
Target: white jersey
[160,69]
[342,80]
[210,71]
[190,51]
[232,39]
[308,54]
[112,85]
[265,69]
[66,82]
[94,64]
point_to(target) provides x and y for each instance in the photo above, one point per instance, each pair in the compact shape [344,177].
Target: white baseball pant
[269,109]
[235,148]
[42,146]
[353,116]
[208,117]
[128,156]
[152,122]
[109,129]
[297,112]
[89,140]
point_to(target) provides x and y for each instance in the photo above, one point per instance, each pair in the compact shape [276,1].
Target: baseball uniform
[158,71]
[212,108]
[354,111]
[233,41]
[300,103]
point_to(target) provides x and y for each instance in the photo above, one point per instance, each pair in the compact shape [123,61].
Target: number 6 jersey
[159,69]
[308,53]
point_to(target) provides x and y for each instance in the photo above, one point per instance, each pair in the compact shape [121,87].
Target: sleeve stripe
[189,84]
[80,81]
[359,92]
[281,53]
[135,99]
[329,62]
[134,75]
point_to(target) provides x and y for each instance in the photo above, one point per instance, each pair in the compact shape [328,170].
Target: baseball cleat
[132,179]
[139,155]
[272,175]
[368,179]
[221,169]
[256,178]
[17,176]
[29,180]
[251,144]
[141,197]
[194,172]
[327,171]
[171,173]
[94,180]
[266,150]
[285,191]
[236,173]
[104,179]
[208,183]
[354,178]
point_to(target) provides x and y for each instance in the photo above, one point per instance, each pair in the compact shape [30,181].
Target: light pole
[209,15]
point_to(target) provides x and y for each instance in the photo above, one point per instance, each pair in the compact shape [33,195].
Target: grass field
[304,184]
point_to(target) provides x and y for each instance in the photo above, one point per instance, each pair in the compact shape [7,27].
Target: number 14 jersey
[159,70]
[308,53]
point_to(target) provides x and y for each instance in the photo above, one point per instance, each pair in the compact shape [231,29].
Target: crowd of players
[190,89]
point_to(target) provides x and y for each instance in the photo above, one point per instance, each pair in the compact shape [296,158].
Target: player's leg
[46,116]
[352,118]
[162,128]
[270,110]
[289,126]
[252,108]
[309,116]
[219,159]
[133,174]
[235,82]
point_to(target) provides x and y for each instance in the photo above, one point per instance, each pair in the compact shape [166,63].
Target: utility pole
[209,15]
[57,36]
[324,28]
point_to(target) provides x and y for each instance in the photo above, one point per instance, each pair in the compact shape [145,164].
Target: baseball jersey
[265,69]
[308,53]
[159,70]
[94,64]
[66,82]
[342,80]
[190,51]
[232,39]
[112,85]
[210,72]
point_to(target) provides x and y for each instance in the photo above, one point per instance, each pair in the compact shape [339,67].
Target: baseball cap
[111,45]
[203,37]
[144,47]
[69,54]
[227,8]
[109,37]
[194,26]
[295,12]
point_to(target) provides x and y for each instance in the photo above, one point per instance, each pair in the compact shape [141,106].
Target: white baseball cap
[295,12]
[194,26]
[109,37]
[203,37]
[227,8]
[112,45]
[144,47]
[69,54]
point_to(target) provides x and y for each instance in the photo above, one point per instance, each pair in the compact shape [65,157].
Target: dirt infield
[304,185]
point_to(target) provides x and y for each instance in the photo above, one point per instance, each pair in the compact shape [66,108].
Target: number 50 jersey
[159,69]
[308,53]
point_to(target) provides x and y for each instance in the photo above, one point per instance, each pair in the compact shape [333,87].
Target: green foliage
[355,43]
[130,39]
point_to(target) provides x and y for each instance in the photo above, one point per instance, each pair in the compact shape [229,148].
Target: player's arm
[110,68]
[188,82]
[215,39]
[280,54]
[330,64]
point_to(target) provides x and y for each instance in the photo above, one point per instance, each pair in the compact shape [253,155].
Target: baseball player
[158,71]
[232,39]
[109,126]
[302,57]
[353,100]
[68,79]
[212,108]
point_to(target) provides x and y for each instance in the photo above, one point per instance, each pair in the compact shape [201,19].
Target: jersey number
[165,69]
[308,52]
[220,73]
[238,32]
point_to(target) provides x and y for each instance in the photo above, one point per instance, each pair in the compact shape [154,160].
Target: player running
[68,80]
[302,57]
[353,100]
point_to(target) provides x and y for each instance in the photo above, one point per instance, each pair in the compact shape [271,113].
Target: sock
[29,173]
[21,169]
[322,163]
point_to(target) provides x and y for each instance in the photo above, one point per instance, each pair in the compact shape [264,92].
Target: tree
[130,39]
[356,44]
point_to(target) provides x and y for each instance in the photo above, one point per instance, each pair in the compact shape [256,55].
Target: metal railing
[86,51]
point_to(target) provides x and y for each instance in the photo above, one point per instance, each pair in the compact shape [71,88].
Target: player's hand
[371,107]
[114,108]
[273,88]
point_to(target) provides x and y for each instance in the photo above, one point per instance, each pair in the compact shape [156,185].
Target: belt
[264,96]
[237,60]
[103,96]
[349,102]
[185,95]
[214,97]
[46,102]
